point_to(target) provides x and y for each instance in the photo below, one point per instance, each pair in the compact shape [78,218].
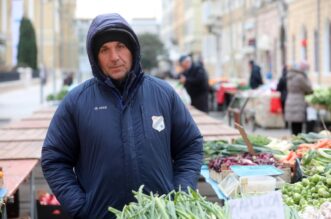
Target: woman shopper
[298,85]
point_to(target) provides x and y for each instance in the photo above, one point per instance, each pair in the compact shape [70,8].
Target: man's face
[186,64]
[115,60]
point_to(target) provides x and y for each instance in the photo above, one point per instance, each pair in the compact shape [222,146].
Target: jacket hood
[111,22]
[295,72]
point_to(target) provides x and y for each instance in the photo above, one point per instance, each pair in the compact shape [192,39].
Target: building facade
[53,21]
[309,37]
[274,33]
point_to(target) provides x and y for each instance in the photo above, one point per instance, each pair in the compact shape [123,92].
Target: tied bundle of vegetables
[320,97]
[309,138]
[304,148]
[212,149]
[317,161]
[190,205]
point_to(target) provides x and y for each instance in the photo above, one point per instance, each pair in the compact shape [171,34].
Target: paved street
[18,100]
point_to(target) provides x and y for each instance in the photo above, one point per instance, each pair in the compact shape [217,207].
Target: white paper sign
[268,206]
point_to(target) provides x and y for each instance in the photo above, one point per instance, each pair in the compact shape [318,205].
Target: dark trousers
[296,128]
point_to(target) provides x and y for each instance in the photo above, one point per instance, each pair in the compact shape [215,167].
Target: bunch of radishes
[48,199]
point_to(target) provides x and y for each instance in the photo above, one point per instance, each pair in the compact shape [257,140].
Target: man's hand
[182,79]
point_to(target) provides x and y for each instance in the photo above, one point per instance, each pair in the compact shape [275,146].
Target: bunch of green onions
[175,205]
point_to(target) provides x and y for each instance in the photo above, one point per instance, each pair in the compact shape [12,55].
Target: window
[293,49]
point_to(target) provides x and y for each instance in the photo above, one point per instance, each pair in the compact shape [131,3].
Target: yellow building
[53,21]
[309,37]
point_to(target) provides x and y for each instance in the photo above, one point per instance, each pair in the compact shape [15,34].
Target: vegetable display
[224,163]
[321,97]
[190,205]
[311,191]
[256,140]
[324,212]
[178,205]
[316,162]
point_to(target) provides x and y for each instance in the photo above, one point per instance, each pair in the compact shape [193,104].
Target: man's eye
[102,50]
[121,45]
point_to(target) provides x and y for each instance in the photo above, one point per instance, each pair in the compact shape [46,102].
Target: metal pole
[54,46]
[318,41]
[42,72]
[32,193]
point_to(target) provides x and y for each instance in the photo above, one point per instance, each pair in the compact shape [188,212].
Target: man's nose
[113,55]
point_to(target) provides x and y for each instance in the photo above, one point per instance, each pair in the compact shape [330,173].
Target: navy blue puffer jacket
[101,144]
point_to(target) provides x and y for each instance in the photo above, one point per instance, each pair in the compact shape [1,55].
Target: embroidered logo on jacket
[158,123]
[100,108]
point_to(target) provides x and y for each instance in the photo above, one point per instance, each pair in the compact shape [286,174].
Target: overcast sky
[127,8]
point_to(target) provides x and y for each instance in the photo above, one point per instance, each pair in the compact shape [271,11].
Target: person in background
[255,79]
[298,85]
[69,79]
[118,131]
[195,80]
[282,88]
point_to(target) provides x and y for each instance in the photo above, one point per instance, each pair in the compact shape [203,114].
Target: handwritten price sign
[268,206]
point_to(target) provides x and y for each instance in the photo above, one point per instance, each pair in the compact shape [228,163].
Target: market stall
[15,172]
[260,107]
[298,168]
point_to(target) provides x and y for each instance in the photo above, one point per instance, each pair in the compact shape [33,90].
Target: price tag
[265,206]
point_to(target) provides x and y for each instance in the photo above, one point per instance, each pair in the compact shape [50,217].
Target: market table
[22,135]
[46,110]
[15,172]
[207,120]
[20,150]
[39,116]
[28,124]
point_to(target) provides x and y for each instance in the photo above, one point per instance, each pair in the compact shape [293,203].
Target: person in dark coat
[118,131]
[195,80]
[282,88]
[255,79]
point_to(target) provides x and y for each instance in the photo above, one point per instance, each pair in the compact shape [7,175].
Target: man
[118,131]
[255,79]
[195,80]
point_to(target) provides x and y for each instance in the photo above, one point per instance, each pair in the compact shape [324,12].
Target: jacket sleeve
[59,155]
[186,146]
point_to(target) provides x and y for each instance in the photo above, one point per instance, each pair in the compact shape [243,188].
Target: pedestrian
[118,131]
[282,88]
[69,79]
[298,85]
[195,80]
[255,79]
